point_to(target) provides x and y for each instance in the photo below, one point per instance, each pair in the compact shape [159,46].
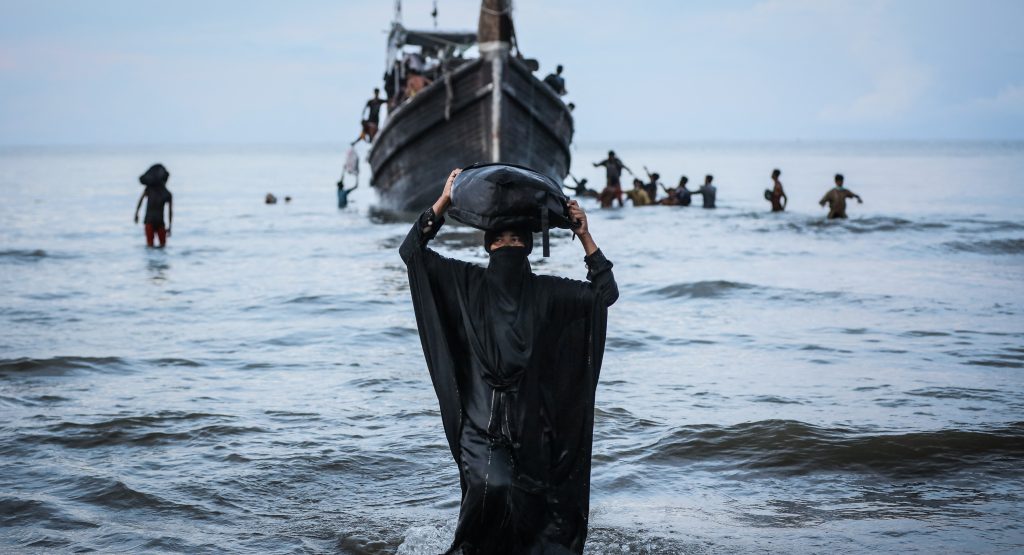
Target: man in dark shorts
[371,118]
[613,167]
[157,195]
[836,199]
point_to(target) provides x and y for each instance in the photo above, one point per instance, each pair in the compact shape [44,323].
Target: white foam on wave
[427,540]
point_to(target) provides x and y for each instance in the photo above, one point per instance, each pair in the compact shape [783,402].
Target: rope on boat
[450,94]
[489,11]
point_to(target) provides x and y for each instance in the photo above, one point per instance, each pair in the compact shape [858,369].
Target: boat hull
[490,109]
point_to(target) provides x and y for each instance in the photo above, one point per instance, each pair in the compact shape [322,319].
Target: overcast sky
[225,71]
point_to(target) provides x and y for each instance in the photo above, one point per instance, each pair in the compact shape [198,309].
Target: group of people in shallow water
[646,193]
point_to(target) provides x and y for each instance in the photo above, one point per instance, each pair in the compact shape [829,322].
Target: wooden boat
[486,109]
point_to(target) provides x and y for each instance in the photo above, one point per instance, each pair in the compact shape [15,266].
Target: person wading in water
[777,196]
[157,195]
[514,359]
[836,199]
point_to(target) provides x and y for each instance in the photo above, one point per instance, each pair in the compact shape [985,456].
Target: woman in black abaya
[514,358]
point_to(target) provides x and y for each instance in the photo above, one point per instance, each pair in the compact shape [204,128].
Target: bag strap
[544,224]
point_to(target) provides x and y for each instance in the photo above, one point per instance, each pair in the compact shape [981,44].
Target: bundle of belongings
[495,197]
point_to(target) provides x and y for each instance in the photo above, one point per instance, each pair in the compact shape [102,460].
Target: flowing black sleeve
[602,281]
[570,349]
[435,282]
[423,230]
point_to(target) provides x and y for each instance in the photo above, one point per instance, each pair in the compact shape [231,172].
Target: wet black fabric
[514,359]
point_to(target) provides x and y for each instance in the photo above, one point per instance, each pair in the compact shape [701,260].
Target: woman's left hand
[578,216]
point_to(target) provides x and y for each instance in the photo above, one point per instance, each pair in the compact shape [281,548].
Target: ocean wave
[16,511]
[161,428]
[985,226]
[992,246]
[618,343]
[789,446]
[958,393]
[713,289]
[701,289]
[61,365]
[873,224]
[115,494]
[23,255]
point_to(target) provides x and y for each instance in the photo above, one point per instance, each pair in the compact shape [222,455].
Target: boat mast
[495,21]
[494,37]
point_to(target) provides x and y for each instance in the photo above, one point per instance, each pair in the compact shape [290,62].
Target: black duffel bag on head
[495,197]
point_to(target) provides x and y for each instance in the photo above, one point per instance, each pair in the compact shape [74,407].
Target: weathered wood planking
[417,147]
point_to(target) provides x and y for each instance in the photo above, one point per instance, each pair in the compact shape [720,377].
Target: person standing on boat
[514,359]
[371,118]
[708,191]
[556,82]
[836,199]
[777,196]
[157,196]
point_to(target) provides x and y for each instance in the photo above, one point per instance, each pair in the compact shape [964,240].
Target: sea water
[772,382]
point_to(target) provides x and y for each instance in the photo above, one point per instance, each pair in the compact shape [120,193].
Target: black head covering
[524,234]
[505,341]
[155,176]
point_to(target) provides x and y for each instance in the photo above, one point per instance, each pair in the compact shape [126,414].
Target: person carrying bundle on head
[514,358]
[157,196]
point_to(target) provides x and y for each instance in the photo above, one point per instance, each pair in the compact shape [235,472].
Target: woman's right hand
[447,193]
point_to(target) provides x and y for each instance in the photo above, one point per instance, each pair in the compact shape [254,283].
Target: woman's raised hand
[447,193]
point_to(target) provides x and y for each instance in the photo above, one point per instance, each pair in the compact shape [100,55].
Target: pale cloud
[1009,101]
[65,60]
[7,61]
[895,91]
[894,81]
